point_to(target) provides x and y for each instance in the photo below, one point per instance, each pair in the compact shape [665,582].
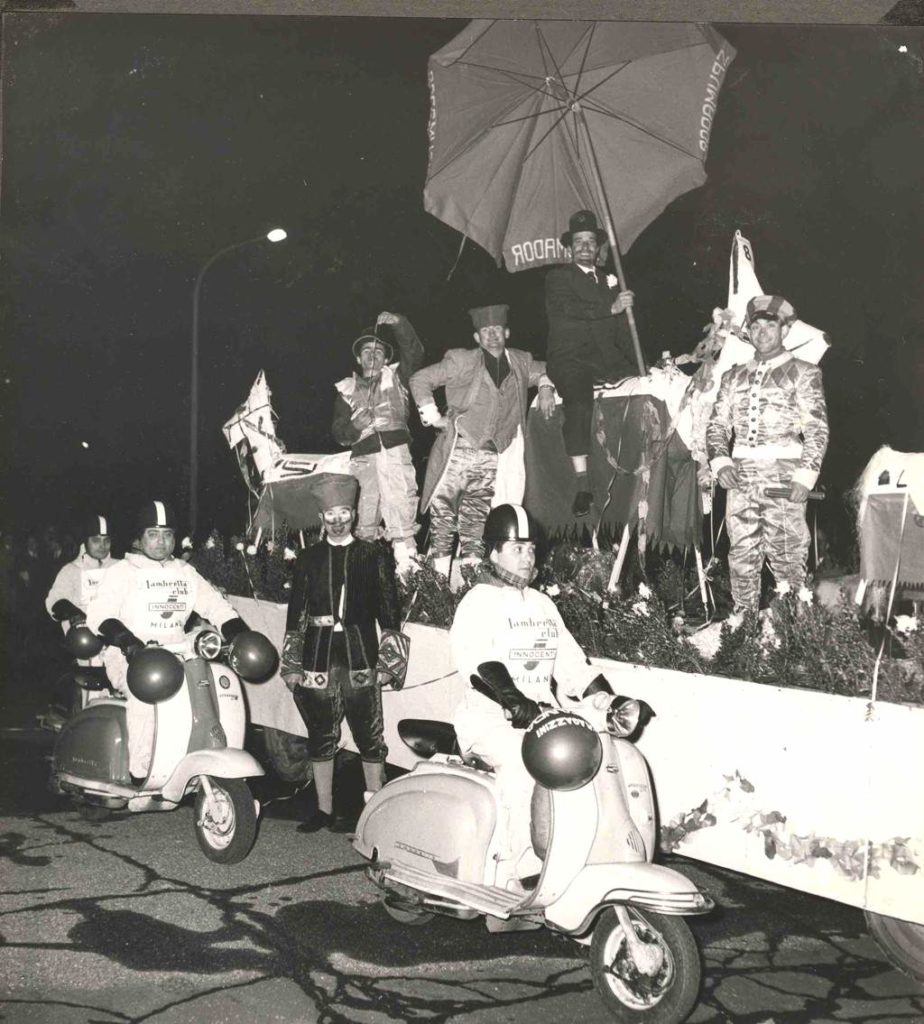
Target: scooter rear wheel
[665,996]
[226,829]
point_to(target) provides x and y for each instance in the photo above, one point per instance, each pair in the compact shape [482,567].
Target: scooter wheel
[406,913]
[901,941]
[226,826]
[665,994]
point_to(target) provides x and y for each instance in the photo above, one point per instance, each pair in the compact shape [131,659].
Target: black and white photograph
[463,512]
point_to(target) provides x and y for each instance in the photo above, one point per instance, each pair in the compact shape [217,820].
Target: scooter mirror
[82,642]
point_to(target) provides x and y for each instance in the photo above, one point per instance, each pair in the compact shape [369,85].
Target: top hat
[369,334]
[489,316]
[583,220]
[769,307]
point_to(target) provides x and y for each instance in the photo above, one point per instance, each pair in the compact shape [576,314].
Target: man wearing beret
[332,658]
[774,407]
[370,416]
[588,341]
[486,392]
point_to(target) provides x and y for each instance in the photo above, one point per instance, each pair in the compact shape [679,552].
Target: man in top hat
[486,392]
[332,658]
[370,416]
[587,340]
[774,406]
[147,598]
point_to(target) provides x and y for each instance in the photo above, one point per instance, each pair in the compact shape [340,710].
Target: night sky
[135,147]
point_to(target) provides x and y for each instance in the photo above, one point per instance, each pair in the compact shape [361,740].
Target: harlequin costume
[775,409]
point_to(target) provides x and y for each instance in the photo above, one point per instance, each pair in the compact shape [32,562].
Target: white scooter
[198,742]
[433,843]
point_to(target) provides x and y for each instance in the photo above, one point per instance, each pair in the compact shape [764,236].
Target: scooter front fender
[646,886]
[227,763]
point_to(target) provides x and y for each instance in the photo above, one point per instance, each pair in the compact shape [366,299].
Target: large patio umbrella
[533,120]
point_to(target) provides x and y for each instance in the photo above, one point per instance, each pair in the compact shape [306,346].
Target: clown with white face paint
[77,581]
[506,621]
[147,597]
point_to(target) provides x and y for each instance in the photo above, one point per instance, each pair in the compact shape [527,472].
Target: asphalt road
[126,921]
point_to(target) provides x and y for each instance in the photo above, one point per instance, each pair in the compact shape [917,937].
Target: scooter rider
[77,581]
[147,597]
[506,621]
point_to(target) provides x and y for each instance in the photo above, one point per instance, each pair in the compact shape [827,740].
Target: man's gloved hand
[523,713]
[116,634]
[728,477]
[798,492]
[387,318]
[292,679]
[64,609]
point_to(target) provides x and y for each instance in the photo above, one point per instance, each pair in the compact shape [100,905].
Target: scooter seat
[91,677]
[427,737]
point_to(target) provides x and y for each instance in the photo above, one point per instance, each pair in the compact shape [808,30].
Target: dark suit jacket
[582,328]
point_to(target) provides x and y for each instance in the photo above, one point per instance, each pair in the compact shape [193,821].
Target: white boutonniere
[611,280]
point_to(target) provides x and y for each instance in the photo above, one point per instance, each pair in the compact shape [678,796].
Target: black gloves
[64,609]
[118,635]
[232,628]
[493,681]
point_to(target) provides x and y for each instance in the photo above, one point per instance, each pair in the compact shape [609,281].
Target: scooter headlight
[208,644]
[623,716]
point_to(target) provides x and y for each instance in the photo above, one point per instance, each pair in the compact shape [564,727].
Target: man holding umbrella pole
[588,340]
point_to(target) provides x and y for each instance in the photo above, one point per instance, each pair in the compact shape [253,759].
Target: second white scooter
[433,841]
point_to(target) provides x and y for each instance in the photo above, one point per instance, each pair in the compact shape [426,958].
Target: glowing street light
[274,235]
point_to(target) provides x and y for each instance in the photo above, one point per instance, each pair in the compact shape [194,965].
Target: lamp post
[276,235]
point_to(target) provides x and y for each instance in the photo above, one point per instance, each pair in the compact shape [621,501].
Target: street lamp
[276,235]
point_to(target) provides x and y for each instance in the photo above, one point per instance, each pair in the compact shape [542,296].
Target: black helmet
[509,522]
[561,750]
[154,513]
[154,675]
[253,656]
[82,642]
[95,526]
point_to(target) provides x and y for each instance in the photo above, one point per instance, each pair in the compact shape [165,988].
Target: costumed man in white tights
[506,621]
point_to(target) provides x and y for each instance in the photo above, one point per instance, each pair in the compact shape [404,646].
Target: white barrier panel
[798,787]
[432,688]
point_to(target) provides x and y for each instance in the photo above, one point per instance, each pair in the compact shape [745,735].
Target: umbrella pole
[614,244]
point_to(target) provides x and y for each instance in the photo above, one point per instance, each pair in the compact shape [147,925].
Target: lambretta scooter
[433,841]
[199,735]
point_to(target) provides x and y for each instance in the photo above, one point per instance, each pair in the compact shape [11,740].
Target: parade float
[790,749]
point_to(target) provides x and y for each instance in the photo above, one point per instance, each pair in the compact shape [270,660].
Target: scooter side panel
[440,822]
[625,806]
[94,745]
[232,707]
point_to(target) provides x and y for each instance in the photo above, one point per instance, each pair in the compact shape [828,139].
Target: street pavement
[126,921]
